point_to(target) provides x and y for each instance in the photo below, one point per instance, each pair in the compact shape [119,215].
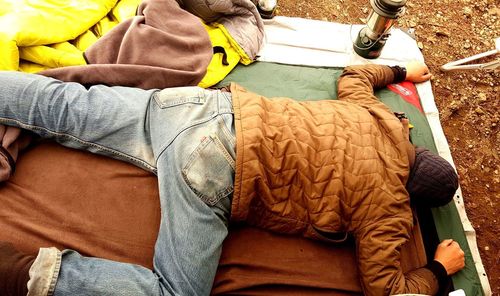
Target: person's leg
[105,120]
[200,165]
[193,142]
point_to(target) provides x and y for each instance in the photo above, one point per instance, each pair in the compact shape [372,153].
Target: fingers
[417,72]
[450,255]
[426,77]
[449,243]
[423,76]
[446,242]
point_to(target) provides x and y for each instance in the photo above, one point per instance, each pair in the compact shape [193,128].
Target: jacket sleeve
[378,247]
[357,83]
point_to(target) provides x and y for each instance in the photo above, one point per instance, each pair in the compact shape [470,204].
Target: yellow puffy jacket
[35,35]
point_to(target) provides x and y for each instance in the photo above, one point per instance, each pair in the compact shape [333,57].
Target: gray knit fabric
[433,181]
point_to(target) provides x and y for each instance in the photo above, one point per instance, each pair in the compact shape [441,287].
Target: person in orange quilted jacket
[322,169]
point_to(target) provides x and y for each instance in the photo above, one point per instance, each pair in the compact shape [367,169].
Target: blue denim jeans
[184,135]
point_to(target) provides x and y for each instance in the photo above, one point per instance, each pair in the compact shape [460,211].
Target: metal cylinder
[371,39]
[388,8]
[378,25]
[267,8]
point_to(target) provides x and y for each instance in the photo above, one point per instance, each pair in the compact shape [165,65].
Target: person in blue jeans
[184,135]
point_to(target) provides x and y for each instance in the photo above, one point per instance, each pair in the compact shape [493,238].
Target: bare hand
[417,72]
[450,255]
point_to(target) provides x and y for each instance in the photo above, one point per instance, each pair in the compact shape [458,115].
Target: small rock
[486,248]
[432,39]
[412,24]
[482,97]
[454,106]
[471,146]
[420,45]
[494,11]
[467,11]
[467,45]
[365,10]
[443,33]
[479,111]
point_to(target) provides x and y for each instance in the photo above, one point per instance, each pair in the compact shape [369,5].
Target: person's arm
[378,251]
[357,83]
[379,262]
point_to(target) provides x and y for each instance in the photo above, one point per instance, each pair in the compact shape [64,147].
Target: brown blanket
[163,46]
[107,208]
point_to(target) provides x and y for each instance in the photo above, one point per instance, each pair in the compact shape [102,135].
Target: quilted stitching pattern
[325,164]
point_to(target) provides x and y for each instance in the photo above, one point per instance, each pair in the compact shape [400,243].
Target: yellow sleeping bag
[34,30]
[32,38]
[227,54]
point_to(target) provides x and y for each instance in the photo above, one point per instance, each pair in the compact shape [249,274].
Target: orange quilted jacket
[323,169]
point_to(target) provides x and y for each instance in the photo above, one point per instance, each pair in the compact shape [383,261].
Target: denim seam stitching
[229,136]
[55,275]
[104,148]
[211,201]
[174,103]
[223,149]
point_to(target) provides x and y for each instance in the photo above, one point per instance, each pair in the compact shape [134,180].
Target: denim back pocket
[174,96]
[209,171]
